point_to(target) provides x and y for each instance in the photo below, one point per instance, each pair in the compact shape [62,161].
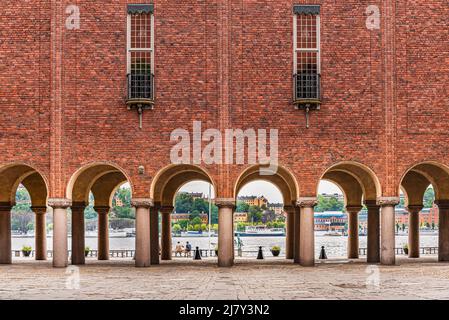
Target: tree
[176,228]
[196,221]
[429,198]
[242,206]
[255,214]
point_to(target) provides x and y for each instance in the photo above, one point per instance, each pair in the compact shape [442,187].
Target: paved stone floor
[249,279]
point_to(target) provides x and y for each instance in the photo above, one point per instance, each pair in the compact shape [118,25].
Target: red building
[97,93]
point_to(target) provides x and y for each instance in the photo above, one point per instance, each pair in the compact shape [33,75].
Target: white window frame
[129,50]
[296,50]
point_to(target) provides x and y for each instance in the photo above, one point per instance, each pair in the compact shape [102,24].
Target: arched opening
[92,190]
[183,196]
[25,189]
[360,189]
[260,221]
[276,213]
[425,189]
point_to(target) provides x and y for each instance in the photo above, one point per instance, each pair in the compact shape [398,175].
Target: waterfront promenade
[249,279]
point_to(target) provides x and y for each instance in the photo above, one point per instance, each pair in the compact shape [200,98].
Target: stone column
[5,233]
[443,230]
[154,234]
[387,222]
[225,232]
[353,231]
[40,232]
[78,240]
[413,230]
[296,234]
[307,234]
[103,232]
[290,235]
[166,238]
[373,245]
[60,254]
[142,231]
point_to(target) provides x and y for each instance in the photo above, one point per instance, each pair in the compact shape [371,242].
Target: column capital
[59,203]
[102,209]
[353,208]
[225,202]
[39,209]
[415,208]
[442,204]
[5,206]
[388,201]
[307,202]
[142,202]
[371,204]
[166,209]
[290,209]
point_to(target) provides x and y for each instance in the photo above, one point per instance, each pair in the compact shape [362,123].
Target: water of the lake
[335,245]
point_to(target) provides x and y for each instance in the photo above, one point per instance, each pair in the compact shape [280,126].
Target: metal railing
[140,86]
[400,251]
[307,86]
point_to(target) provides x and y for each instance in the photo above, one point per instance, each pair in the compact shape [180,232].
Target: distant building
[337,196]
[278,208]
[254,200]
[330,221]
[240,217]
[427,216]
[177,217]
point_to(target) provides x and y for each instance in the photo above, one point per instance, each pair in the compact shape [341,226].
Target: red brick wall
[205,48]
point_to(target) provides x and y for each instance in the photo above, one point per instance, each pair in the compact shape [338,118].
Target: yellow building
[240,217]
[254,201]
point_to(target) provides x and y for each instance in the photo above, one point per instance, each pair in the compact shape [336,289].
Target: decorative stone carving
[39,209]
[414,208]
[102,209]
[166,209]
[371,204]
[307,202]
[142,202]
[289,209]
[59,203]
[388,201]
[225,202]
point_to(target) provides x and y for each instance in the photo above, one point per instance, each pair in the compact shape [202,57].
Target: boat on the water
[261,231]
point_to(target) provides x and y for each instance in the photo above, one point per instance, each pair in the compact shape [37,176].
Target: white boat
[261,231]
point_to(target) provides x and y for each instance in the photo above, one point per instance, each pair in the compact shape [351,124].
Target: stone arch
[12,175]
[102,178]
[357,181]
[170,179]
[284,180]
[418,177]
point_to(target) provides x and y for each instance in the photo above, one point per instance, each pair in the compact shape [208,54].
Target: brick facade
[228,64]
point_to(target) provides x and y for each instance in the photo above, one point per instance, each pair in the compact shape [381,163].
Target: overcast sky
[257,188]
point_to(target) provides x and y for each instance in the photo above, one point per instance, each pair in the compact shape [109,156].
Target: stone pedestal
[413,230]
[290,235]
[353,231]
[60,250]
[225,232]
[40,232]
[307,234]
[388,223]
[166,238]
[5,233]
[142,231]
[373,241]
[103,232]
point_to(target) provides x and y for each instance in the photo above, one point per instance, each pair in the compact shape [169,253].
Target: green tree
[242,206]
[254,214]
[429,198]
[196,221]
[176,228]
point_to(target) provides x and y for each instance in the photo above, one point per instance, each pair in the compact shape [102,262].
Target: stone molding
[166,209]
[102,209]
[59,203]
[414,208]
[39,209]
[225,202]
[353,209]
[290,209]
[307,202]
[5,206]
[371,204]
[442,204]
[388,201]
[142,202]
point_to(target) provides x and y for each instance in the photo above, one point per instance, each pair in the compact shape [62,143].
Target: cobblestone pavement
[249,279]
